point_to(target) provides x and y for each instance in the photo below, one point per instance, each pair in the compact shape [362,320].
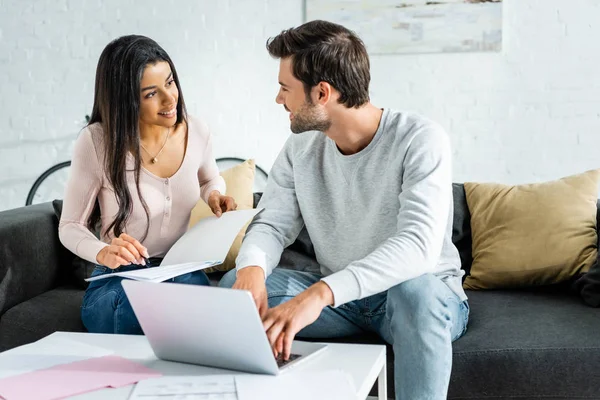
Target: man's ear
[324,92]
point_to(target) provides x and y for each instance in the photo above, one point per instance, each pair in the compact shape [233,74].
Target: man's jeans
[106,308]
[420,318]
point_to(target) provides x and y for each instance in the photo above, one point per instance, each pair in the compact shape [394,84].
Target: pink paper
[75,378]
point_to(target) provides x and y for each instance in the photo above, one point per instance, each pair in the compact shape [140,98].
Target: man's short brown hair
[322,51]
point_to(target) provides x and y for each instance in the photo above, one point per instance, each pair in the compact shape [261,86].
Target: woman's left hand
[219,203]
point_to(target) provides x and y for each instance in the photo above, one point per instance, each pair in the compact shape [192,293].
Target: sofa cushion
[527,344]
[533,234]
[55,310]
[520,344]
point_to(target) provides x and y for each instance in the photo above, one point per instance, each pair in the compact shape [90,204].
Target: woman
[138,169]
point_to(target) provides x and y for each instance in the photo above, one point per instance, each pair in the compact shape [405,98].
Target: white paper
[205,245]
[295,385]
[210,239]
[213,387]
[158,274]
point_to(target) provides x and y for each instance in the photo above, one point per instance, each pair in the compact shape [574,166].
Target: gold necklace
[154,159]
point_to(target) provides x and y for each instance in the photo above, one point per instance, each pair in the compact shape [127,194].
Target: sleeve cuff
[88,249]
[218,186]
[251,260]
[344,286]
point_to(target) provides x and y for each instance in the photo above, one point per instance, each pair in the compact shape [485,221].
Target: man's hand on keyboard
[283,322]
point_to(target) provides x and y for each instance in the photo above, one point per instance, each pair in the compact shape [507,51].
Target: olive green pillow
[533,234]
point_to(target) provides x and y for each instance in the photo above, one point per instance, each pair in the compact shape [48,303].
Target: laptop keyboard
[281,362]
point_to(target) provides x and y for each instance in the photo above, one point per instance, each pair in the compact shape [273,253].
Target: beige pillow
[533,234]
[240,183]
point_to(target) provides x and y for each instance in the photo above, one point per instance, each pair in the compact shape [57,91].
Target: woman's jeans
[105,307]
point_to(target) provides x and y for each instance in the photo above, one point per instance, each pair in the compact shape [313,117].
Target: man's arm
[415,249]
[279,224]
[275,228]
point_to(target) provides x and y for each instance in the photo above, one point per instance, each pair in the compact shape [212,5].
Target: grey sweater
[376,218]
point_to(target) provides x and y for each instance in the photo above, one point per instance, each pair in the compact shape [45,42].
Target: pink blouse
[169,200]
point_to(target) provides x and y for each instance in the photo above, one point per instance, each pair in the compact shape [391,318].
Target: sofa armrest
[30,253]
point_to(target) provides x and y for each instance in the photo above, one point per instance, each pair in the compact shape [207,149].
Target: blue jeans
[420,318]
[105,307]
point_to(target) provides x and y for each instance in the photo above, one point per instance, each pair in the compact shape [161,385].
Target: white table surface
[364,363]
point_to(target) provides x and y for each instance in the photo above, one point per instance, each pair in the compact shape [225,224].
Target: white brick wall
[530,113]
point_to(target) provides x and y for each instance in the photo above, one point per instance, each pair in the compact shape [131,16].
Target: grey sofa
[541,343]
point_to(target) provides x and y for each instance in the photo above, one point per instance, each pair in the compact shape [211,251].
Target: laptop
[210,326]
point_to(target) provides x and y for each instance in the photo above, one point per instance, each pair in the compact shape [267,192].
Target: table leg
[382,383]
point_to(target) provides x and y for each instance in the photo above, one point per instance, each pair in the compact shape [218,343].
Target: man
[374,189]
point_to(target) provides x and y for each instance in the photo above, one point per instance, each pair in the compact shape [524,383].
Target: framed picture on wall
[416,26]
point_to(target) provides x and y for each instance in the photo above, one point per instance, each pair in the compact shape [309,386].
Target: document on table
[213,387]
[320,385]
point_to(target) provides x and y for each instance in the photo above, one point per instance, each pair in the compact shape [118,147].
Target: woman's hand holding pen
[123,250]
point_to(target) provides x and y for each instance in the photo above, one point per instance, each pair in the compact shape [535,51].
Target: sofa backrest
[461,226]
[30,254]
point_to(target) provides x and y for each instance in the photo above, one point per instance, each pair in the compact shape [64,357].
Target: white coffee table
[364,363]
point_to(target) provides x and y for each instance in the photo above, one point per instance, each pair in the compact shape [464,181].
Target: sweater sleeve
[279,224]
[208,173]
[415,248]
[85,181]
